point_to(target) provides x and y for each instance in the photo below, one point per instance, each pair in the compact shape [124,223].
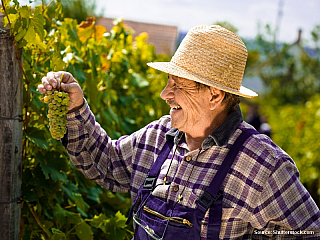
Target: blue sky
[244,14]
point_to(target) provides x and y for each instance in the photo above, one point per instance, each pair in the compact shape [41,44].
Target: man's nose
[167,93]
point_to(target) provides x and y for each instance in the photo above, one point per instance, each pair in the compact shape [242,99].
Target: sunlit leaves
[85,33]
[37,22]
[111,69]
[58,10]
[113,227]
[88,29]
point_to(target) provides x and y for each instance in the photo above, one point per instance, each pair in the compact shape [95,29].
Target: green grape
[57,102]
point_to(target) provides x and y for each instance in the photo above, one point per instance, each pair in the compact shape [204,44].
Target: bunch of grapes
[58,103]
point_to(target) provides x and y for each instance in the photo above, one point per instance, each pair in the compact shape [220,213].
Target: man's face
[189,105]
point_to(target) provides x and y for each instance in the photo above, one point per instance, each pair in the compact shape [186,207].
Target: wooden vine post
[11,93]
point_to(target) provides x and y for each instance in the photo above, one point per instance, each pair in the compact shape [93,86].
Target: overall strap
[213,193]
[151,179]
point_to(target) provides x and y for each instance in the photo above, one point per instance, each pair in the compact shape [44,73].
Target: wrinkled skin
[68,84]
[199,111]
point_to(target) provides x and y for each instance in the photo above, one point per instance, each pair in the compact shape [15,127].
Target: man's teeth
[176,107]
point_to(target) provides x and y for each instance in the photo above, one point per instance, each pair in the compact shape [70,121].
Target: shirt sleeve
[106,161]
[285,209]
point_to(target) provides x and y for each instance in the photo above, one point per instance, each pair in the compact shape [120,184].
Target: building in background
[163,37]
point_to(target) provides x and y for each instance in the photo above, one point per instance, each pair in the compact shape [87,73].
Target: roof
[163,37]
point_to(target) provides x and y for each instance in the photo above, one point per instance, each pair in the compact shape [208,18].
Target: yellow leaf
[99,31]
[85,33]
[105,66]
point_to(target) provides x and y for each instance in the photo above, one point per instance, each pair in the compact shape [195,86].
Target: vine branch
[38,221]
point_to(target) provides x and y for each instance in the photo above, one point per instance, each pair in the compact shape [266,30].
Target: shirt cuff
[79,116]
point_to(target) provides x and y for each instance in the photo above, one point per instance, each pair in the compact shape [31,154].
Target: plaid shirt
[263,197]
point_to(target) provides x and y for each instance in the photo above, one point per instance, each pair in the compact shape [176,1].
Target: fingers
[67,77]
[71,87]
[53,79]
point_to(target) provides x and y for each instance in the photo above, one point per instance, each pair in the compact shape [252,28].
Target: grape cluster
[58,103]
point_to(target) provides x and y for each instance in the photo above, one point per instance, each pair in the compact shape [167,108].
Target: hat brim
[171,68]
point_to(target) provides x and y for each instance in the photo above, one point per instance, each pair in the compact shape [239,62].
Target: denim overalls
[155,217]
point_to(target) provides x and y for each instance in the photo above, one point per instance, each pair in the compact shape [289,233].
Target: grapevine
[58,102]
[58,201]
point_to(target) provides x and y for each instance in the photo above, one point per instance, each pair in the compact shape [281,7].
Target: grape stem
[61,80]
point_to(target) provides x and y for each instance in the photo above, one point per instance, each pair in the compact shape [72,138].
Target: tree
[289,74]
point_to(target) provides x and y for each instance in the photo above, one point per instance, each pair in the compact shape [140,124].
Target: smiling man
[202,172]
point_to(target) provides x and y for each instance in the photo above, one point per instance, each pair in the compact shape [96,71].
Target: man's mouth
[176,107]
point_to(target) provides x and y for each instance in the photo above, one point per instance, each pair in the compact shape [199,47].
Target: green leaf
[24,11]
[11,10]
[112,114]
[85,33]
[12,17]
[59,10]
[77,72]
[52,167]
[37,22]
[30,36]
[69,188]
[28,193]
[58,235]
[16,3]
[20,35]
[139,81]
[120,220]
[80,203]
[73,218]
[84,231]
[115,227]
[59,214]
[97,221]
[38,141]
[57,63]
[6,2]
[82,212]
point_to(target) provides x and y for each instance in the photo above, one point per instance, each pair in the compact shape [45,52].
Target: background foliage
[291,101]
[58,202]
[290,73]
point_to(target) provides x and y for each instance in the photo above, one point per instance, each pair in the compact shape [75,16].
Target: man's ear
[217,97]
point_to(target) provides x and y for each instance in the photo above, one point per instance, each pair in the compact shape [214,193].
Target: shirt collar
[219,136]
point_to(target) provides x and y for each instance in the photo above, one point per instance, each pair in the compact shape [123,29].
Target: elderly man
[202,172]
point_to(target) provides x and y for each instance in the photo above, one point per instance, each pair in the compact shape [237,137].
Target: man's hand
[68,84]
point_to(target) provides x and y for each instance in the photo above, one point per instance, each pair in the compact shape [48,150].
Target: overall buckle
[149,182]
[206,200]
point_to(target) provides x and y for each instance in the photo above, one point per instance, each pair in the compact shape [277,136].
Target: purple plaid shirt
[263,197]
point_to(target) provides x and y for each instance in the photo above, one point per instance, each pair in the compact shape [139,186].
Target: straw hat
[211,55]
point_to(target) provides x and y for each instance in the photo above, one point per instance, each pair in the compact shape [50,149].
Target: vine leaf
[84,231]
[37,22]
[6,3]
[98,221]
[24,11]
[115,227]
[59,10]
[35,137]
[20,35]
[85,33]
[52,168]
[99,31]
[29,37]
[139,81]
[12,17]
